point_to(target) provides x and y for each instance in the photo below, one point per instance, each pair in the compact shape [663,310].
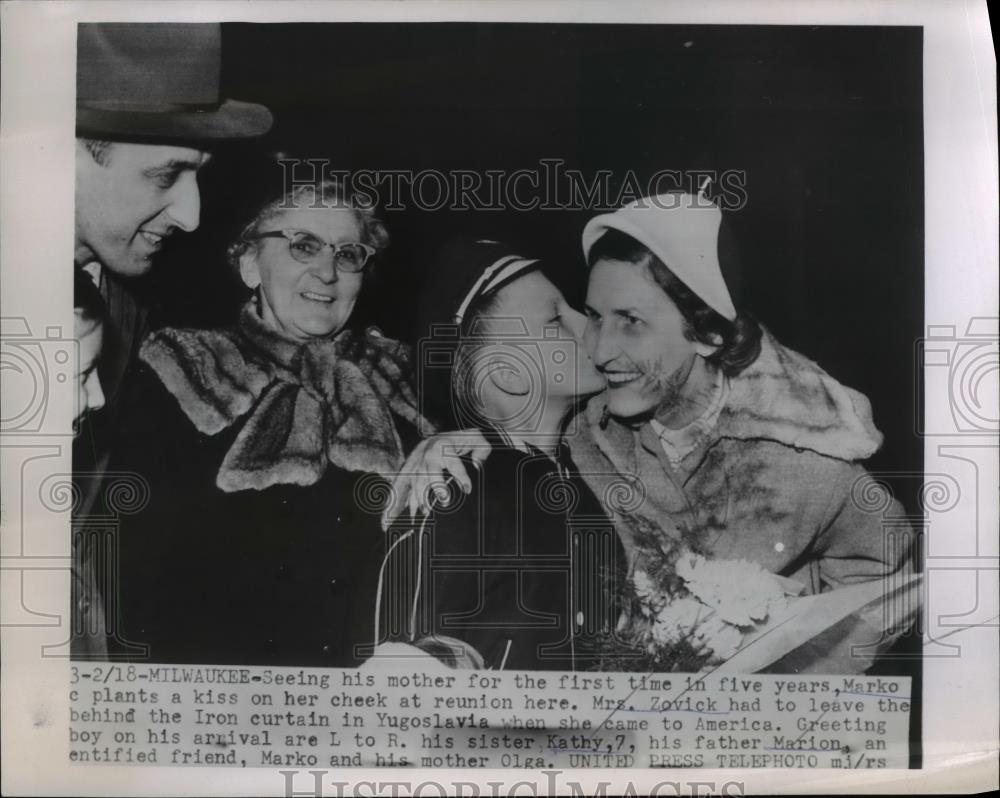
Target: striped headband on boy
[492,278]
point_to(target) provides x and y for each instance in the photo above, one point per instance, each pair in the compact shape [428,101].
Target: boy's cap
[467,271]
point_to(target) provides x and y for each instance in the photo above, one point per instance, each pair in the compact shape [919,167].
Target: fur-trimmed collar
[305,404]
[783,397]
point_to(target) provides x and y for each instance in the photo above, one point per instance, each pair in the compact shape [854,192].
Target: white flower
[678,620]
[740,591]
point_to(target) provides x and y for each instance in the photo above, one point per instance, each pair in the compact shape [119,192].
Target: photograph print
[514,346]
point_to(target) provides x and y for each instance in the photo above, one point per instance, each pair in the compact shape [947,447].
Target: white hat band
[492,276]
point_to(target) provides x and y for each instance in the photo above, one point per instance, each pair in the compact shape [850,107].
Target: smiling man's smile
[154,240]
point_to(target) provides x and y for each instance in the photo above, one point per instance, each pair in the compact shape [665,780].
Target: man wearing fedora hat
[149,110]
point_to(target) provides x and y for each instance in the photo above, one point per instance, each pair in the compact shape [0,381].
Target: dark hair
[740,339]
[331,194]
[87,299]
[98,149]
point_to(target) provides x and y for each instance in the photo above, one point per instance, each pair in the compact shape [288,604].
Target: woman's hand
[427,468]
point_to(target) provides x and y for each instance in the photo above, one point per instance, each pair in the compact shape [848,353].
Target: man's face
[127,207]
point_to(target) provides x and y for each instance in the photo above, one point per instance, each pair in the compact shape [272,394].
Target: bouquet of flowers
[683,611]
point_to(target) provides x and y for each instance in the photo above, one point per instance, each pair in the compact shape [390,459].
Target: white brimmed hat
[680,229]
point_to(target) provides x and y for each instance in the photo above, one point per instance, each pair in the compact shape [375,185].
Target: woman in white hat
[746,449]
[739,448]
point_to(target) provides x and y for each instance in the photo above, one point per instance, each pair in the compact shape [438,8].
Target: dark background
[825,121]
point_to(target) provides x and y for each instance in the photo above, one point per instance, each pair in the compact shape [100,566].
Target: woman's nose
[600,345]
[325,267]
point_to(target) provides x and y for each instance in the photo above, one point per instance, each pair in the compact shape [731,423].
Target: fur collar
[782,397]
[301,405]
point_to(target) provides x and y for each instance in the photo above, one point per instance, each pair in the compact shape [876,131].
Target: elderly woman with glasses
[265,447]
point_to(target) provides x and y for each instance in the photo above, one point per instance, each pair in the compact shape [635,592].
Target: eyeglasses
[349,257]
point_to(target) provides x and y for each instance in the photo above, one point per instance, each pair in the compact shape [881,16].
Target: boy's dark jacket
[523,569]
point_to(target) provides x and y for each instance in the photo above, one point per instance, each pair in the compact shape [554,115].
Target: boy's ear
[507,374]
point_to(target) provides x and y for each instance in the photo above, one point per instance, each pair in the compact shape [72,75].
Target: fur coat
[265,459]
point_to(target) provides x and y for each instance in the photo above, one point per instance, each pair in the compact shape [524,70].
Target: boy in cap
[519,572]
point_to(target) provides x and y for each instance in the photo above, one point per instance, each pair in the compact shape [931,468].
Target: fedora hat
[158,81]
